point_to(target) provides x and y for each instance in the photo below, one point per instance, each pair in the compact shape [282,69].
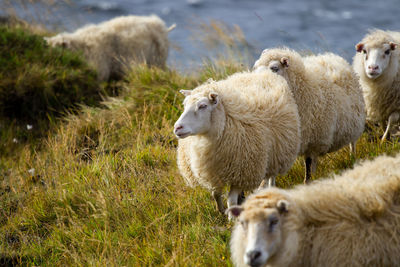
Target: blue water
[304,24]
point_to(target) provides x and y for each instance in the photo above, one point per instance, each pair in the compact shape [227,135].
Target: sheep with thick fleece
[329,98]
[111,46]
[352,219]
[377,64]
[237,132]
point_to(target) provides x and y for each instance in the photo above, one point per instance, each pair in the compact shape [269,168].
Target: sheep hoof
[307,181]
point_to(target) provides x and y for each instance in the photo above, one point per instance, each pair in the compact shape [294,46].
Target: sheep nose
[253,256]
[178,127]
[373,67]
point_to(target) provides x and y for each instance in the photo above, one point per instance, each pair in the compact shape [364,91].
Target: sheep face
[196,117]
[58,40]
[261,229]
[276,66]
[375,59]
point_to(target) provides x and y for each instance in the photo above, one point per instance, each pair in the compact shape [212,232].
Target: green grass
[103,187]
[37,81]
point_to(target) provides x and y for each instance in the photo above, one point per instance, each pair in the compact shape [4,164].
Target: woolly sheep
[329,98]
[113,45]
[237,132]
[350,220]
[377,64]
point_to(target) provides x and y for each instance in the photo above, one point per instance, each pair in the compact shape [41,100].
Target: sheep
[350,220]
[377,64]
[111,46]
[237,132]
[329,98]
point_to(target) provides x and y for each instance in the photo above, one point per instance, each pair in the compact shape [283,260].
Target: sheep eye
[202,106]
[244,224]
[272,223]
[387,52]
[364,51]
[274,69]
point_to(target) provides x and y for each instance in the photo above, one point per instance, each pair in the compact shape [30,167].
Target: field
[99,185]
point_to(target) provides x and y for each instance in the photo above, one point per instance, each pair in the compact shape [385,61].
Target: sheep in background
[111,46]
[237,132]
[350,220]
[377,64]
[329,98]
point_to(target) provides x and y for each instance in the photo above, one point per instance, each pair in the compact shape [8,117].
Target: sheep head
[275,60]
[58,40]
[260,222]
[196,117]
[376,58]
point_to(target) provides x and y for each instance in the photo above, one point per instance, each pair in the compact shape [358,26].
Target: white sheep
[350,220]
[111,46]
[237,132]
[377,64]
[330,101]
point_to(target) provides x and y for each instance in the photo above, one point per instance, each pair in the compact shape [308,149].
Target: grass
[37,81]
[103,187]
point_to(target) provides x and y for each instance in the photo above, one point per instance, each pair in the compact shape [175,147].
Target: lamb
[350,220]
[329,98]
[237,132]
[377,65]
[111,46]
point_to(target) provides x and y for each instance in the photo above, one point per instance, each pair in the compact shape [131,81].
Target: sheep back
[113,45]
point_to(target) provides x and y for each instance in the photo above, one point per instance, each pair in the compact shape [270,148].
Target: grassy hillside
[37,80]
[103,188]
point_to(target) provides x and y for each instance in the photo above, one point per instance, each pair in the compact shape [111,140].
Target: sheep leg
[271,181]
[218,200]
[233,198]
[353,149]
[309,169]
[241,198]
[393,118]
[262,184]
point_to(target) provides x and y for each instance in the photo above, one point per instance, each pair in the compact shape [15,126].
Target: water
[314,25]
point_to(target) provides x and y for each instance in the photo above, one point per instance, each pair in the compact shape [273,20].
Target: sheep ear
[185,92]
[285,62]
[392,46]
[264,51]
[359,47]
[255,63]
[234,211]
[282,206]
[213,97]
